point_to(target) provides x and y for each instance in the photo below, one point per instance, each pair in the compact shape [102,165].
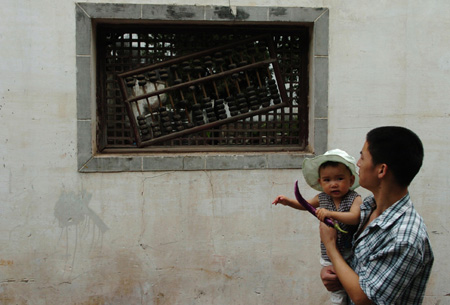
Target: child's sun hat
[310,167]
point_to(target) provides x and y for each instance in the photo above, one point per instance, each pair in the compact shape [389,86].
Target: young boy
[392,257]
[334,175]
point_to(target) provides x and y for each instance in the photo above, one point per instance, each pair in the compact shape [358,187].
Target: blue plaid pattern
[393,255]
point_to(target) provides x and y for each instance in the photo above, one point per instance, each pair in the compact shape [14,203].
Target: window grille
[202,88]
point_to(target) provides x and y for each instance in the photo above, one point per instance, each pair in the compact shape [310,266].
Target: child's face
[336,180]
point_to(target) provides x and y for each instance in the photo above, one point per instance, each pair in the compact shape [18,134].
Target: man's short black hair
[399,148]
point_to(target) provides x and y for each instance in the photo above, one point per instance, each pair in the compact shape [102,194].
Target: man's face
[367,171]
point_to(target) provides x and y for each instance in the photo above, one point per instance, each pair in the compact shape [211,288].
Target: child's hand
[281,199]
[322,213]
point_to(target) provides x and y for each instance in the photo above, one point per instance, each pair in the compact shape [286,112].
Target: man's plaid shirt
[392,255]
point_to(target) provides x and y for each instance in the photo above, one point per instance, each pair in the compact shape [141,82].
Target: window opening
[200,88]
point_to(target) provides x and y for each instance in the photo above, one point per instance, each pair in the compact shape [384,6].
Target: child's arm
[350,218]
[294,203]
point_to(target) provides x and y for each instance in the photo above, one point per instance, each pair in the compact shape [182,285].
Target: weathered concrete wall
[201,237]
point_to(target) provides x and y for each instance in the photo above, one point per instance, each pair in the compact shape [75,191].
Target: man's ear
[382,170]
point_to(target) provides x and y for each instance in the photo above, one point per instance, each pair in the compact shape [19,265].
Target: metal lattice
[176,88]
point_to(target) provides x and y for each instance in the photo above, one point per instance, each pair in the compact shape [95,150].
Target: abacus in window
[206,89]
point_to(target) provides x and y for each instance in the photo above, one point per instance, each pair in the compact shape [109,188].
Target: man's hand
[330,279]
[328,236]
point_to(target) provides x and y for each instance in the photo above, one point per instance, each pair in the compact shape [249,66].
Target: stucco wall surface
[202,237]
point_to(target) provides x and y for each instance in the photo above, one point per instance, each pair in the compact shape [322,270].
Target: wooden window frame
[90,160]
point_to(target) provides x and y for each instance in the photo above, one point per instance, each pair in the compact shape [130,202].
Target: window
[200,88]
[170,81]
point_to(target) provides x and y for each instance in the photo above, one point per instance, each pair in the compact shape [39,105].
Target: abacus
[206,89]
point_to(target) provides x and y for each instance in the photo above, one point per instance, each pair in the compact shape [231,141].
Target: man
[392,254]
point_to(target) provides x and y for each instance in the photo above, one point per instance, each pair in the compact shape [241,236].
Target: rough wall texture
[201,237]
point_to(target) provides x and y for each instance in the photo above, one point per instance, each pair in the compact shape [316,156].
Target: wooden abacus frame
[173,86]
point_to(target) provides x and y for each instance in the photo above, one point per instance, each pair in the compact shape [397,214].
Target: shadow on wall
[72,210]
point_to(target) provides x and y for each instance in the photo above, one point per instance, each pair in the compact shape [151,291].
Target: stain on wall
[6,262]
[178,13]
[278,11]
[242,14]
[224,12]
[72,210]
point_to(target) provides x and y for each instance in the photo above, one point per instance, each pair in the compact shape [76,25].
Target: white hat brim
[310,169]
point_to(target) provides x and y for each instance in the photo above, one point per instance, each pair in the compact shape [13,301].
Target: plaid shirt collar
[388,217]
